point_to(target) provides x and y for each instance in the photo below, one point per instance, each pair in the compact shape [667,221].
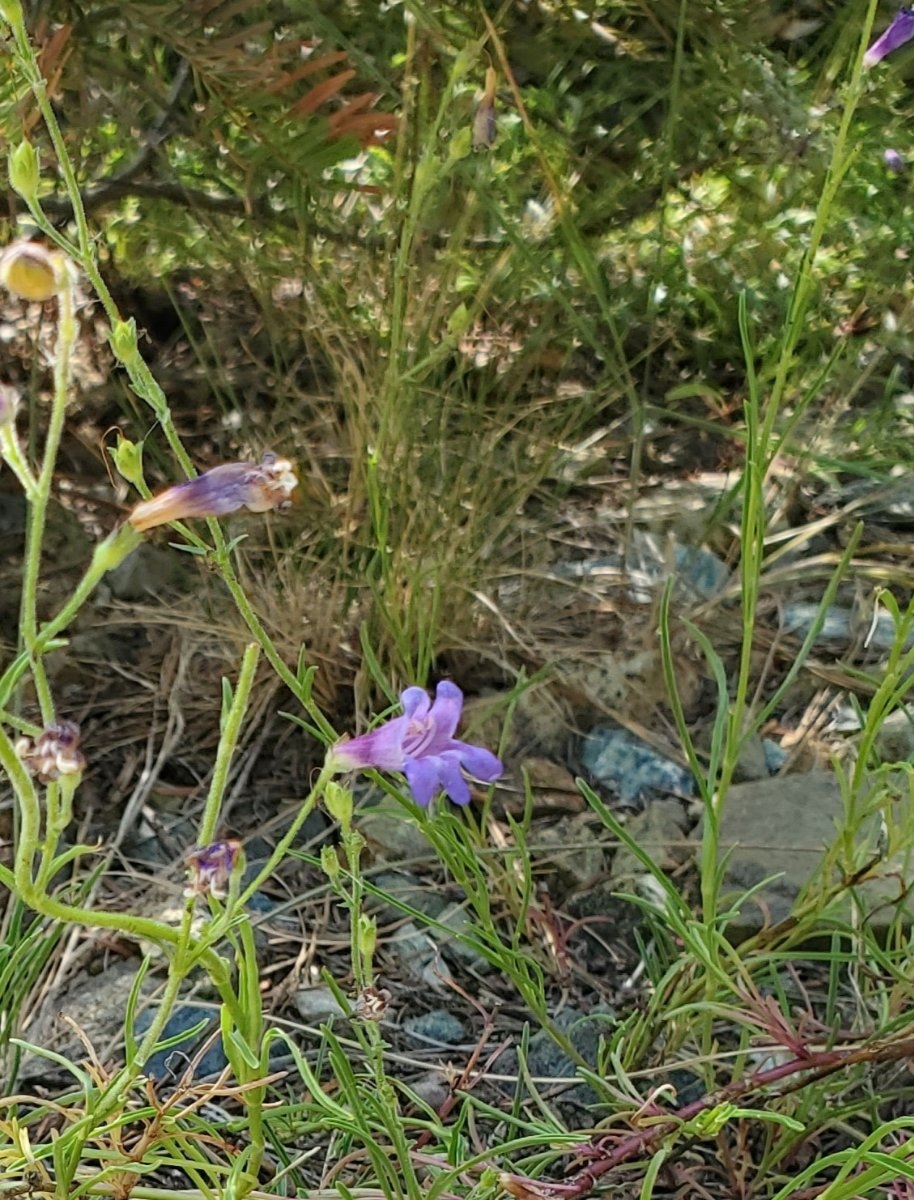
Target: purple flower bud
[900,30]
[53,753]
[222,490]
[894,162]
[211,869]
[421,745]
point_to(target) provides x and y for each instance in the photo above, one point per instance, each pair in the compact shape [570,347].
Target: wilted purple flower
[54,752]
[901,30]
[421,745]
[219,491]
[211,869]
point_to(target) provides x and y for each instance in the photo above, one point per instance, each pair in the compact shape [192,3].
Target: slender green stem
[37,510]
[284,844]
[228,744]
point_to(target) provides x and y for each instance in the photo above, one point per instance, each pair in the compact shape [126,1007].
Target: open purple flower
[901,30]
[222,490]
[421,745]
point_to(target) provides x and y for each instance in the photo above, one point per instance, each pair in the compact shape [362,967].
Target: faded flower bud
[32,272]
[210,868]
[24,171]
[55,752]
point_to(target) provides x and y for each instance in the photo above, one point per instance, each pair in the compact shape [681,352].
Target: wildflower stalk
[228,744]
[144,384]
[24,881]
[37,509]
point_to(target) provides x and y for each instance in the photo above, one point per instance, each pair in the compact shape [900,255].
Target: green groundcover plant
[796,1088]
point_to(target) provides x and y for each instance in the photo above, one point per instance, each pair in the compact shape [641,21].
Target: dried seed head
[372,1004]
[54,753]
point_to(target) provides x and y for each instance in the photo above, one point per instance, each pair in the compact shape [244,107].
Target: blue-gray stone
[628,766]
[775,755]
[436,1026]
[172,1063]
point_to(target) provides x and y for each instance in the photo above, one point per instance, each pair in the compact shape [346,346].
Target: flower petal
[452,780]
[479,762]
[446,711]
[415,703]
[220,491]
[900,30]
[424,781]
[381,748]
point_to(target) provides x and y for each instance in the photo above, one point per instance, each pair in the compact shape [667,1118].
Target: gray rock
[94,1004]
[628,766]
[548,1062]
[660,829]
[419,956]
[779,830]
[758,758]
[568,849]
[698,573]
[316,1004]
[895,738]
[430,1089]
[439,1026]
[174,1062]
[392,835]
[841,626]
[454,916]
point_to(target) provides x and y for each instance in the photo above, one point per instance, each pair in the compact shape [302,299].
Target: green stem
[283,845]
[37,511]
[228,744]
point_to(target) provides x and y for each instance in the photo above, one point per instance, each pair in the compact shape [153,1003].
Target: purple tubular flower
[421,745]
[901,30]
[222,490]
